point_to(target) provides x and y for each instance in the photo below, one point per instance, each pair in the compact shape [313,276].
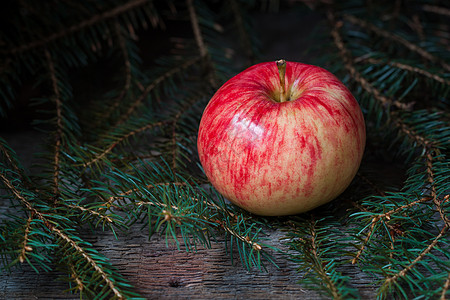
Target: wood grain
[160,271]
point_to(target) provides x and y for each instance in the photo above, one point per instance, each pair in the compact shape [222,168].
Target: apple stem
[281,64]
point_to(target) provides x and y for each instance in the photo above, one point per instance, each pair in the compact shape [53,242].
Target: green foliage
[121,145]
[318,246]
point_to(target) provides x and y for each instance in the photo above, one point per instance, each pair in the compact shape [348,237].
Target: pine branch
[390,36]
[423,134]
[177,204]
[391,279]
[196,29]
[10,157]
[381,218]
[42,41]
[155,83]
[23,201]
[436,9]
[446,288]
[98,269]
[345,54]
[25,247]
[104,152]
[204,53]
[93,213]
[318,245]
[67,244]
[403,66]
[127,65]
[319,267]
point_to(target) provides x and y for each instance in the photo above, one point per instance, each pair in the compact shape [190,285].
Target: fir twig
[391,279]
[385,101]
[127,65]
[155,83]
[317,243]
[5,150]
[98,269]
[436,9]
[387,216]
[52,227]
[76,27]
[59,126]
[25,247]
[391,36]
[108,149]
[200,42]
[406,67]
[319,265]
[445,288]
[196,29]
[92,212]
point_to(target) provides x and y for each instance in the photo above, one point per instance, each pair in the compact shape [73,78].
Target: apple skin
[280,158]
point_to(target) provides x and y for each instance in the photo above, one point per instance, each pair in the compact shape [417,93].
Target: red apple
[281,138]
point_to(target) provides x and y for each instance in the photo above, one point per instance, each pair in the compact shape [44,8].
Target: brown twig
[430,176]
[445,288]
[174,207]
[111,199]
[168,216]
[200,42]
[59,125]
[126,60]
[76,27]
[25,248]
[242,238]
[429,148]
[149,186]
[436,9]
[76,278]
[92,212]
[416,25]
[17,194]
[196,28]
[427,144]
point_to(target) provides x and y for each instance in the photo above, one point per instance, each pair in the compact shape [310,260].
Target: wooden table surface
[161,272]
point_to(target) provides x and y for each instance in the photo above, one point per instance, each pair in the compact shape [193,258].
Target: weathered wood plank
[161,272]
[158,271]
